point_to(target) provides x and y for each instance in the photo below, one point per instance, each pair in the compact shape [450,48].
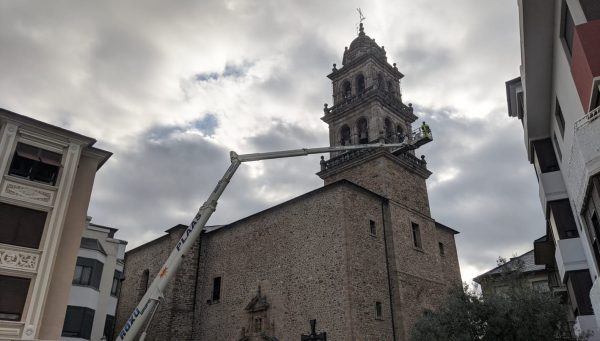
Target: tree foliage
[518,313]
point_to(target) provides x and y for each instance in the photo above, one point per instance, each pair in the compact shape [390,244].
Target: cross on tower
[313,334]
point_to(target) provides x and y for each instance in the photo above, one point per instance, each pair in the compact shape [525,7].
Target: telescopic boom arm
[149,302]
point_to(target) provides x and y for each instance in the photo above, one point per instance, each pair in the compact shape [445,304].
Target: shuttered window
[21,226]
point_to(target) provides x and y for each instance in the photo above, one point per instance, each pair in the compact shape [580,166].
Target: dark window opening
[345,136]
[400,133]
[416,235]
[595,236]
[21,226]
[389,129]
[363,131]
[372,228]
[568,29]
[378,310]
[115,288]
[347,88]
[560,212]
[545,156]
[596,96]
[13,294]
[109,328]
[143,284]
[559,119]
[258,324]
[35,164]
[579,284]
[78,322]
[520,104]
[216,293]
[442,251]
[360,83]
[88,272]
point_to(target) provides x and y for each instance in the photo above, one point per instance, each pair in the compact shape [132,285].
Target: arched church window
[345,135]
[363,130]
[360,83]
[389,129]
[399,133]
[347,89]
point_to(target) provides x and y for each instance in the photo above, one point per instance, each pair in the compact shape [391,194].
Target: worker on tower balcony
[426,132]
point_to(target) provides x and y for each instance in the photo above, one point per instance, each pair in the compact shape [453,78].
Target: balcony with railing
[415,139]
[389,98]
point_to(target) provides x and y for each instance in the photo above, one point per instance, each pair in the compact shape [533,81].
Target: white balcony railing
[587,118]
[569,256]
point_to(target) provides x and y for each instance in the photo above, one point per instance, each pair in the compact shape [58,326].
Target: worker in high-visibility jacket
[425,130]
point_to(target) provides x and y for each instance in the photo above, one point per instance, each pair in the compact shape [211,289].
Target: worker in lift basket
[425,130]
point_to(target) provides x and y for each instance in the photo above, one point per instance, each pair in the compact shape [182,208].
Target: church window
[345,136]
[442,250]
[363,130]
[372,228]
[258,324]
[360,83]
[216,292]
[378,310]
[416,234]
[347,89]
[389,130]
[390,86]
[399,133]
[380,81]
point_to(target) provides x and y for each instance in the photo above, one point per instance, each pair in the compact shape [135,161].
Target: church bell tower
[367,108]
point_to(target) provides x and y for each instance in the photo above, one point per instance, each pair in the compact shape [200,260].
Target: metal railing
[587,118]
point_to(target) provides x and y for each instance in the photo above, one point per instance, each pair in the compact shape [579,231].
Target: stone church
[361,255]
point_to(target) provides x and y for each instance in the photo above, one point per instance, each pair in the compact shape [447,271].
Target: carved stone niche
[259,327]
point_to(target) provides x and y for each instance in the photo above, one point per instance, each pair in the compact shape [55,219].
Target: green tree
[518,313]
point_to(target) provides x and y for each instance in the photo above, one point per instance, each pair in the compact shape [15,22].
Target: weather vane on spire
[361,19]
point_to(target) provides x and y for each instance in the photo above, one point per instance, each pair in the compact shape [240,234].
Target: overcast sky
[171,86]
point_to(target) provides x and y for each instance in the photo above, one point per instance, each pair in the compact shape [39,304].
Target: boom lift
[149,303]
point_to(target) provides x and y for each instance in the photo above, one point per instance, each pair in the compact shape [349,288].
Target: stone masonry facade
[361,255]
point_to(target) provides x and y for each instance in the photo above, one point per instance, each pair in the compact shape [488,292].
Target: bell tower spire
[367,108]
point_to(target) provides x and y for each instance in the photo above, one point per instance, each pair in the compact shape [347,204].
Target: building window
[109,328]
[35,164]
[389,129]
[567,29]
[400,133]
[345,136]
[579,284]
[592,207]
[360,83]
[378,311]
[520,105]
[347,89]
[558,152]
[545,157]
[21,226]
[372,228]
[115,288]
[562,220]
[13,294]
[363,130]
[216,292]
[258,324]
[88,272]
[416,235]
[78,322]
[143,284]
[442,251]
[560,120]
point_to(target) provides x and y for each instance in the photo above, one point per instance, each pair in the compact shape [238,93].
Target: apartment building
[96,285]
[46,178]
[557,99]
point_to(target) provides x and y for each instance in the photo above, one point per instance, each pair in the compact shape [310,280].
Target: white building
[46,179]
[557,99]
[96,285]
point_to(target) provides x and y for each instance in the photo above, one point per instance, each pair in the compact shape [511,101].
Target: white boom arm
[149,302]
